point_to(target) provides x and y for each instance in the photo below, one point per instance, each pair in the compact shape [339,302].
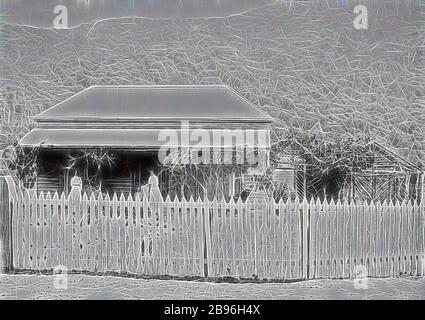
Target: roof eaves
[40,115]
[265,114]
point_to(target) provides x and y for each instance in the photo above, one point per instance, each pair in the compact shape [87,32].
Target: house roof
[203,103]
[396,158]
[135,116]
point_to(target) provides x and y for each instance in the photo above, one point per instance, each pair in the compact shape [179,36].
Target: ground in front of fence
[24,286]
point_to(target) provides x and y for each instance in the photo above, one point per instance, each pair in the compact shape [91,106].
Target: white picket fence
[103,234]
[274,240]
[388,239]
[254,239]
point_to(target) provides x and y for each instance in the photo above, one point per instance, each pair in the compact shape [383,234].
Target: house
[385,175]
[373,172]
[113,138]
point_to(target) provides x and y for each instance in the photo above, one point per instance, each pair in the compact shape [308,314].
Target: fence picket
[161,245]
[394,239]
[195,239]
[242,249]
[174,246]
[410,232]
[90,252]
[33,231]
[356,242]
[18,236]
[190,236]
[155,231]
[84,238]
[400,242]
[385,231]
[404,239]
[378,240]
[200,229]
[130,257]
[368,214]
[99,244]
[76,220]
[324,241]
[297,236]
[147,235]
[379,244]
[62,254]
[47,239]
[122,243]
[107,232]
[138,238]
[339,216]
[214,239]
[55,226]
[169,257]
[207,236]
[346,235]
[414,246]
[113,229]
[312,241]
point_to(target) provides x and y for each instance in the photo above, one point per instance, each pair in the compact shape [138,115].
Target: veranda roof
[133,138]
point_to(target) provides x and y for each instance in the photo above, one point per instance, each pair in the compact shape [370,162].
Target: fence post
[305,239]
[7,195]
[260,203]
[76,188]
[207,235]
[72,248]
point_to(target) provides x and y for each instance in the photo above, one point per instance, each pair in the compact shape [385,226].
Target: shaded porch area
[110,171]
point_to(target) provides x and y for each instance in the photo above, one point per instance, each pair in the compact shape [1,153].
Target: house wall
[379,185]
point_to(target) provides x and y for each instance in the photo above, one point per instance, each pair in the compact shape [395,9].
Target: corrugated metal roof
[144,103]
